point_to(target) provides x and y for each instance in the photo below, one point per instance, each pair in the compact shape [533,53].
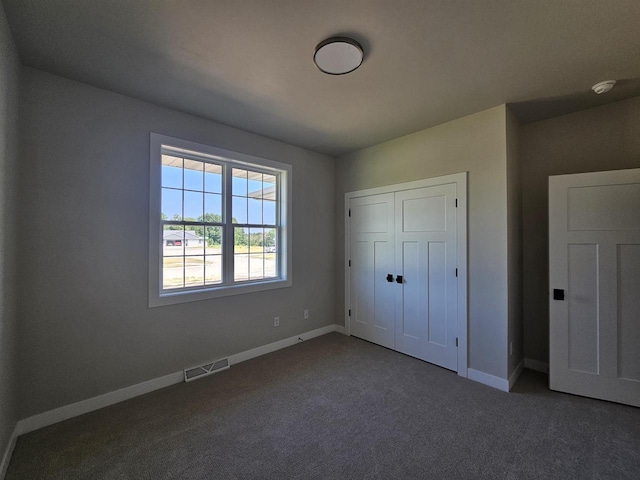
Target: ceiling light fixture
[603,87]
[338,55]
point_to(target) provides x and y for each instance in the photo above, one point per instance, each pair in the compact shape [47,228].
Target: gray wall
[598,139]
[84,198]
[514,232]
[476,144]
[9,80]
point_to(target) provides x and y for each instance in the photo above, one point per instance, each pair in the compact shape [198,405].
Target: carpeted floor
[340,408]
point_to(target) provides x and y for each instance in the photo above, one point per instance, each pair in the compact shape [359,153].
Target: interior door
[371,256]
[426,302]
[594,275]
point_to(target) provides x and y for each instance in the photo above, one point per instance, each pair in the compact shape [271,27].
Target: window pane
[269,213]
[171,171]
[212,207]
[240,240]
[172,272]
[193,240]
[213,269]
[241,267]
[255,211]
[213,240]
[193,271]
[171,204]
[173,241]
[270,253]
[255,185]
[193,207]
[256,240]
[270,239]
[256,266]
[270,265]
[269,187]
[239,210]
[193,175]
[212,178]
[239,183]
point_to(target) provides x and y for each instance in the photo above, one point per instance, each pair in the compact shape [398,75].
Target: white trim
[490,380]
[8,452]
[66,412]
[425,182]
[516,374]
[285,214]
[89,405]
[463,282]
[272,347]
[347,269]
[341,329]
[536,365]
[460,179]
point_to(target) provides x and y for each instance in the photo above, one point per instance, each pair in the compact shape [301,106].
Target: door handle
[389,278]
[399,279]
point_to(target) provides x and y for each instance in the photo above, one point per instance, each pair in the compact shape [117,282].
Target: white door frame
[460,179]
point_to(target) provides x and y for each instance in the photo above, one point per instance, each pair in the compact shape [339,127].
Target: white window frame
[160,297]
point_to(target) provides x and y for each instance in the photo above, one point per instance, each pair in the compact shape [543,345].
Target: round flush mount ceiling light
[338,55]
[603,87]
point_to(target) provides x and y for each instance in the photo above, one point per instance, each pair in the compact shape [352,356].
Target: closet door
[371,255]
[425,257]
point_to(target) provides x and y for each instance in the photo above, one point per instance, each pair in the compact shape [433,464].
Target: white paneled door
[594,275]
[426,309]
[403,273]
[372,245]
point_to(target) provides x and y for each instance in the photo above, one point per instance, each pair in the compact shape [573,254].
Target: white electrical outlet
[276,321]
[306,314]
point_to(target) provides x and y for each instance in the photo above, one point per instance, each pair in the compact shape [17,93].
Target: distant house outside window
[220,222]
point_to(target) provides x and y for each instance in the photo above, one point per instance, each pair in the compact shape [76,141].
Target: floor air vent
[194,373]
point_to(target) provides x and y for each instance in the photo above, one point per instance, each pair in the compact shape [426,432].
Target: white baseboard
[50,417]
[85,406]
[272,347]
[341,329]
[490,380]
[536,365]
[516,374]
[7,453]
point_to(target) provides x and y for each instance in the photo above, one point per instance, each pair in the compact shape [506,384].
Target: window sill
[172,298]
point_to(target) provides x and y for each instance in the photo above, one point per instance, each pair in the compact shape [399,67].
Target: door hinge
[349,312]
[456,272]
[456,203]
[349,262]
[456,341]
[349,212]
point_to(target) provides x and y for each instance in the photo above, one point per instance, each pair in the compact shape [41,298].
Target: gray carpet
[339,407]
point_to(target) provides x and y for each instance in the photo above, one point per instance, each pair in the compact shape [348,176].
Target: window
[219,222]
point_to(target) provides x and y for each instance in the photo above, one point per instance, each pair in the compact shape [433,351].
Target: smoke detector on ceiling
[603,87]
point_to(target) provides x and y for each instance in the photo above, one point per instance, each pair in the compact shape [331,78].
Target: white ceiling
[248,63]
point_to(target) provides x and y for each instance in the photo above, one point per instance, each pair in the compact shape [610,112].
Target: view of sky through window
[193,255]
[192,190]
